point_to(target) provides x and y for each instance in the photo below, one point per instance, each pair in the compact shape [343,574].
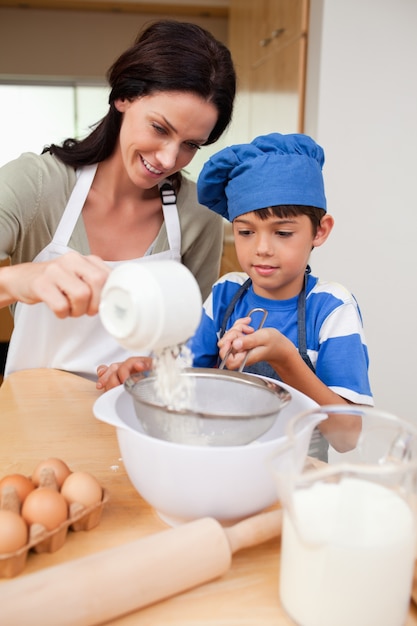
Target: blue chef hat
[271,170]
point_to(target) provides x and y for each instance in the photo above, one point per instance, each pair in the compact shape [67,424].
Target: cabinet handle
[274,35]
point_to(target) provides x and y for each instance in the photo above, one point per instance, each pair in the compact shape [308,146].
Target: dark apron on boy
[318,445]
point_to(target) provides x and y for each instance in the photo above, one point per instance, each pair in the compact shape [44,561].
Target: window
[35,115]
[32,116]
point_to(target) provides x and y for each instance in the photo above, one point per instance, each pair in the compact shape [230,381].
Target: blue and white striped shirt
[336,343]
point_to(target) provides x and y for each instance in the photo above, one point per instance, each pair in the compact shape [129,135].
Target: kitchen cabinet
[6,327]
[268,42]
[6,320]
[6,324]
[229,262]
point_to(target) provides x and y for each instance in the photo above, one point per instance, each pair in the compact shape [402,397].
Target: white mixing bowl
[186,482]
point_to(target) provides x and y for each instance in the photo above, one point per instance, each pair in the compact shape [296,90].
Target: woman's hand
[110,376]
[69,285]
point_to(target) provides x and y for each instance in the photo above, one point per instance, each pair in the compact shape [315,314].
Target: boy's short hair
[272,170]
[292,210]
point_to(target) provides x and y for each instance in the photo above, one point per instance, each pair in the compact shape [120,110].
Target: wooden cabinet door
[6,319]
[275,24]
[268,40]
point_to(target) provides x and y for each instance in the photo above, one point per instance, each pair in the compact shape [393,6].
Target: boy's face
[274,252]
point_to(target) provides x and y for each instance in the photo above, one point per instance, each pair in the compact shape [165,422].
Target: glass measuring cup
[349,528]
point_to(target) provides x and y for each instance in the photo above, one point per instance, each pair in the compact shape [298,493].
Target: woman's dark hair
[292,210]
[166,56]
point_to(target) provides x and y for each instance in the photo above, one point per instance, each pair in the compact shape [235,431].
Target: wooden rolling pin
[99,587]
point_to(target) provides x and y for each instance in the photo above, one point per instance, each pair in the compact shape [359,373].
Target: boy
[273,193]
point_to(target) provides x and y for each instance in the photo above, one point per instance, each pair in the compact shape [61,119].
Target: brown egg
[21,483]
[59,467]
[45,506]
[13,532]
[83,488]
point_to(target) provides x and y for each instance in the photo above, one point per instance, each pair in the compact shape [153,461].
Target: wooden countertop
[49,413]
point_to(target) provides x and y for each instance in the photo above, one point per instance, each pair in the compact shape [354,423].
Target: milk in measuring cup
[352,561]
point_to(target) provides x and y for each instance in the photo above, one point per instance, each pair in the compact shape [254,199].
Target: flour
[172,388]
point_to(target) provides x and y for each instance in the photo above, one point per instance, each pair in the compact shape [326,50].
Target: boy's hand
[240,328]
[266,344]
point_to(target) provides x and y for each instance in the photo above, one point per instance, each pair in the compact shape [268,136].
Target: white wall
[362,108]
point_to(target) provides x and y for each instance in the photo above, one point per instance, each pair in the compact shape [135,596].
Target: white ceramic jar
[149,306]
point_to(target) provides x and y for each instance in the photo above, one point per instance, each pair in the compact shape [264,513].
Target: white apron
[78,345]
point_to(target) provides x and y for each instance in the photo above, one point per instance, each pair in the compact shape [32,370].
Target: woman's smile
[151,168]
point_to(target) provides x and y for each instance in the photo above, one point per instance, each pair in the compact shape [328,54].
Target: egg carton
[42,540]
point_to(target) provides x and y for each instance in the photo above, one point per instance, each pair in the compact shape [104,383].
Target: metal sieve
[227,408]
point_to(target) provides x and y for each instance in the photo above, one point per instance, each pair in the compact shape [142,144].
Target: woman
[67,216]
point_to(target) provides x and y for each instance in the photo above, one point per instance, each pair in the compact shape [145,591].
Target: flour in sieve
[172,389]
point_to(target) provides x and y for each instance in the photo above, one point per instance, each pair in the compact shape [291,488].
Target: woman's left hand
[110,376]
